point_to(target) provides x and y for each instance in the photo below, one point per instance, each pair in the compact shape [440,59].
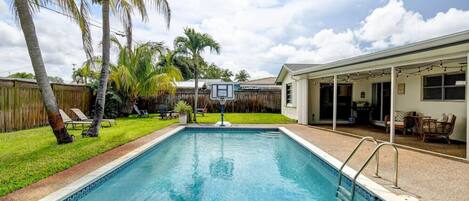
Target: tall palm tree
[24,10]
[174,58]
[123,8]
[136,73]
[194,44]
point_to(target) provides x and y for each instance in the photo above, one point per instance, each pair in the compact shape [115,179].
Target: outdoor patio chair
[164,112]
[141,113]
[399,121]
[432,128]
[68,121]
[83,117]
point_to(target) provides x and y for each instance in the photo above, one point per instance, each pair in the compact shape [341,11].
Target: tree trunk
[29,31]
[196,88]
[93,131]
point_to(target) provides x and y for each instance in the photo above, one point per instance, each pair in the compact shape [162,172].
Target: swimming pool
[220,164]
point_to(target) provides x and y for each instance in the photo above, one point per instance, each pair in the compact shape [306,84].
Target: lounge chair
[400,122]
[141,113]
[83,117]
[68,121]
[432,128]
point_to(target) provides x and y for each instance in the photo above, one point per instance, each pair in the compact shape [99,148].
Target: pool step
[343,194]
[269,134]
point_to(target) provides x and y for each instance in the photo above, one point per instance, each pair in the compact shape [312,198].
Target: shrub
[183,108]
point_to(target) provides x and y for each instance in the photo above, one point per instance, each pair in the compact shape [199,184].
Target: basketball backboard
[223,91]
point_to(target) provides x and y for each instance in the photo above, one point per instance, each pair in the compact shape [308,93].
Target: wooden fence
[265,100]
[21,105]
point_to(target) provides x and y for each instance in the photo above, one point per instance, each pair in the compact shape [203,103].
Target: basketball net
[222,100]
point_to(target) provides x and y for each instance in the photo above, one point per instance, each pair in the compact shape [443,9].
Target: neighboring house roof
[263,83]
[266,80]
[188,84]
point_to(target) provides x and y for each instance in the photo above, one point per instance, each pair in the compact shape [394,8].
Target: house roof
[418,47]
[292,68]
[261,81]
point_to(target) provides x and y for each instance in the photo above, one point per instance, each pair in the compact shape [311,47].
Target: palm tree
[174,58]
[242,76]
[136,73]
[124,9]
[24,10]
[194,44]
[87,71]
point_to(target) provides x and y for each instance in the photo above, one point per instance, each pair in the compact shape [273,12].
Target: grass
[30,155]
[246,118]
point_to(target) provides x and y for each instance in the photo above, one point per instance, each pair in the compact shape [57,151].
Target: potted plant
[184,111]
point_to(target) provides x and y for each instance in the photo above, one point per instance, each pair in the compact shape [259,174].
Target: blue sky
[258,36]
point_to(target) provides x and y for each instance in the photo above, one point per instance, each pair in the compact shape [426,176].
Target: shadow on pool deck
[425,176]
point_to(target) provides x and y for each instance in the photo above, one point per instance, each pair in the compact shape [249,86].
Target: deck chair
[68,121]
[83,117]
[141,113]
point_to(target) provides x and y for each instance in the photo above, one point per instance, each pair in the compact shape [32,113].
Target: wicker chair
[432,128]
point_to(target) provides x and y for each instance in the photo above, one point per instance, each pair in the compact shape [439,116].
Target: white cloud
[393,25]
[257,36]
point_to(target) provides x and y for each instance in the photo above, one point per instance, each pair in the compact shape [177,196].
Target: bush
[183,108]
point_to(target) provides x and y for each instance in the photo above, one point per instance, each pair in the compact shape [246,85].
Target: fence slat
[21,105]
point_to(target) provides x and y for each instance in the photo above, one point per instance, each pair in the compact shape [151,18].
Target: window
[444,87]
[289,93]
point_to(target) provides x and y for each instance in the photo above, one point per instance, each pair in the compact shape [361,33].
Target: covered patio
[414,95]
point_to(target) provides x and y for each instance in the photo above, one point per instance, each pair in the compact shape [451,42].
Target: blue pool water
[221,164]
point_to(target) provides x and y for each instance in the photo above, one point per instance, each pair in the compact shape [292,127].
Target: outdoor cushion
[400,115]
[444,118]
[397,123]
[449,118]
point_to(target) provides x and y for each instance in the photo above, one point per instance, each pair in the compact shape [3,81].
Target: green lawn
[29,155]
[246,118]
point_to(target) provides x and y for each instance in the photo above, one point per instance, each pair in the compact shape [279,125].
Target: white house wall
[289,110]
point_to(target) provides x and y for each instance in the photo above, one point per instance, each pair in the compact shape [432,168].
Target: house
[424,78]
[267,83]
[190,84]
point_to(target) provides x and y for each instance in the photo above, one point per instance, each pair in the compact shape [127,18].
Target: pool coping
[362,180]
[95,175]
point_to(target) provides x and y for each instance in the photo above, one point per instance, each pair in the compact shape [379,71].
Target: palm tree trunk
[196,88]
[29,31]
[102,87]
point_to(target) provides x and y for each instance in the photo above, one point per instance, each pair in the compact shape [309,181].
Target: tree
[56,79]
[24,10]
[86,72]
[242,76]
[212,71]
[22,75]
[173,58]
[194,44]
[136,74]
[124,9]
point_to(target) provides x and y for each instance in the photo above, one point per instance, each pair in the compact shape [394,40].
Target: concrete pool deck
[421,175]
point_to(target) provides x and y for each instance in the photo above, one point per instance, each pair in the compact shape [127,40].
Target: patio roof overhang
[452,46]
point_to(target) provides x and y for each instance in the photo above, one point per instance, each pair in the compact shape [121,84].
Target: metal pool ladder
[345,195]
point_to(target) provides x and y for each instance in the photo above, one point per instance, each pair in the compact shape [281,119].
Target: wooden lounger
[69,121]
[83,117]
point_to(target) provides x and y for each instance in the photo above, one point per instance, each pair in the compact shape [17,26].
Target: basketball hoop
[222,92]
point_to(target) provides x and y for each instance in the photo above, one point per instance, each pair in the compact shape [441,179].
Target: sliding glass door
[344,101]
[381,100]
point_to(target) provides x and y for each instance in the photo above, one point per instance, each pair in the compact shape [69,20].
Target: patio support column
[393,100]
[467,106]
[334,105]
